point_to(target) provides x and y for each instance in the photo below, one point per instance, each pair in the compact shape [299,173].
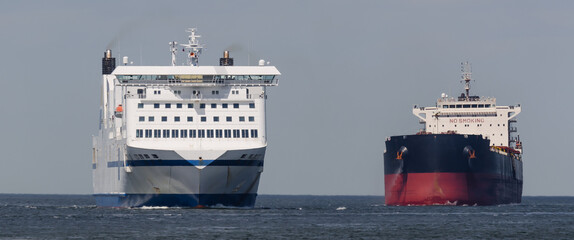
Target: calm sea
[285,217]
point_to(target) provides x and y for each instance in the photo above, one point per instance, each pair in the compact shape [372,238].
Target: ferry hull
[228,181]
[449,169]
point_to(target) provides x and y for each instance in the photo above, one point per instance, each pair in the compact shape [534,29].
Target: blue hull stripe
[151,163]
[175,200]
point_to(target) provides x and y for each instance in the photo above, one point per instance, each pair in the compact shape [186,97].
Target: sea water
[284,217]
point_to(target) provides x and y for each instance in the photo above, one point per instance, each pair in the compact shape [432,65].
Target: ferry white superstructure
[181,135]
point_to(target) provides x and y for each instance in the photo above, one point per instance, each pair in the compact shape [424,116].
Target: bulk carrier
[187,136]
[469,153]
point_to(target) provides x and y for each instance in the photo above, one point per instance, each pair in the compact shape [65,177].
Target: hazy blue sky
[352,70]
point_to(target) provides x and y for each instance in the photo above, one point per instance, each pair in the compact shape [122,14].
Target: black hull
[450,168]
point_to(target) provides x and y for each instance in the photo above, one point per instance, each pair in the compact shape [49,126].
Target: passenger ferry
[187,136]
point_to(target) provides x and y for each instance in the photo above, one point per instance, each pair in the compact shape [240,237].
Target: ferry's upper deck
[197,75]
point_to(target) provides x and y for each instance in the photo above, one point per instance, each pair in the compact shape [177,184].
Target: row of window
[190,105]
[468,125]
[196,133]
[193,77]
[202,119]
[467,106]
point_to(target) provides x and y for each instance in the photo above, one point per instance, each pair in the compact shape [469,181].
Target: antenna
[173,49]
[194,46]
[466,72]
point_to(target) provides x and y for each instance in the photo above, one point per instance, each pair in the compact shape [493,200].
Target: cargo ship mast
[466,73]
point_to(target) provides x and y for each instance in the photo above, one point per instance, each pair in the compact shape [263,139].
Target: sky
[351,73]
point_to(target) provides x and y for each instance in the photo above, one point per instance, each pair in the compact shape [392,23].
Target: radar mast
[194,47]
[466,73]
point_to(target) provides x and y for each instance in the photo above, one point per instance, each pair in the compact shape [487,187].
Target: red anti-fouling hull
[449,169]
[450,188]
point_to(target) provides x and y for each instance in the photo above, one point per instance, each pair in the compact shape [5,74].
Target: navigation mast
[194,47]
[466,73]
[173,49]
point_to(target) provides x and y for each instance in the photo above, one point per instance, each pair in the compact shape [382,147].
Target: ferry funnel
[226,60]
[108,62]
